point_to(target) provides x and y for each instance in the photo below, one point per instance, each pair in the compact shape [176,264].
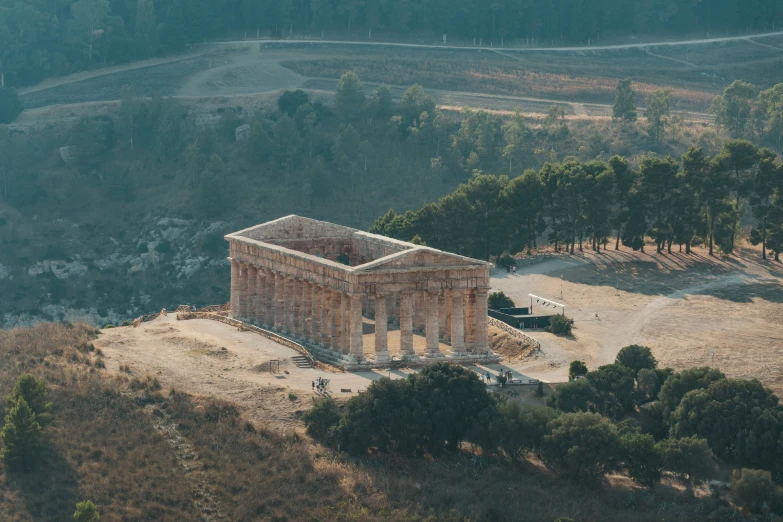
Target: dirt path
[683,62]
[691,310]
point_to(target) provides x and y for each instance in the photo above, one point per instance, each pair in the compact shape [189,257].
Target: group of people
[512,269]
[487,377]
[319,384]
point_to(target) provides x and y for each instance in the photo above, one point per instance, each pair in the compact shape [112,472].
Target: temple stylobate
[329,287]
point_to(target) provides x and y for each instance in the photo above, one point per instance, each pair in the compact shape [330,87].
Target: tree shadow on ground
[50,491]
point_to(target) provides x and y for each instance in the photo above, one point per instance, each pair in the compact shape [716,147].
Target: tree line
[696,200]
[40,39]
[686,420]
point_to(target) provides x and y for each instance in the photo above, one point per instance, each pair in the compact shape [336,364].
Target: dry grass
[104,446]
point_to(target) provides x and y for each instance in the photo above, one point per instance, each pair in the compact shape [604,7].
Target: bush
[86,512]
[676,386]
[21,437]
[289,101]
[322,418]
[637,358]
[752,488]
[642,459]
[689,458]
[574,396]
[498,300]
[523,427]
[576,369]
[10,106]
[582,447]
[740,419]
[429,412]
[559,325]
[615,385]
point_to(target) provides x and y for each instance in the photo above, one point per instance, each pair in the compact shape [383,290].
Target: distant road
[512,49]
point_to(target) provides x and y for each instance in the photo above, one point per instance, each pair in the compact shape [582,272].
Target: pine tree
[625,101]
[33,392]
[86,512]
[21,437]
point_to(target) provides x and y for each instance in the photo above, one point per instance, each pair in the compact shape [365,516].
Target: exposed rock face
[242,132]
[67,154]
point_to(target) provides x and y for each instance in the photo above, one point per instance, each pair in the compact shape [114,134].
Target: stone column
[306,310]
[242,305]
[315,313]
[270,302]
[252,292]
[449,312]
[290,305]
[457,321]
[234,287]
[470,307]
[433,348]
[260,296]
[327,317]
[355,327]
[442,299]
[337,321]
[280,296]
[480,335]
[345,321]
[294,306]
[406,324]
[381,341]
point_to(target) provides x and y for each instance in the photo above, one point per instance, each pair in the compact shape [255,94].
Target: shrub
[574,396]
[86,512]
[648,383]
[583,447]
[289,101]
[498,300]
[740,419]
[676,386]
[523,427]
[637,358]
[559,325]
[615,385]
[690,458]
[752,488]
[642,459]
[10,106]
[322,418]
[34,394]
[292,396]
[429,412]
[21,437]
[576,369]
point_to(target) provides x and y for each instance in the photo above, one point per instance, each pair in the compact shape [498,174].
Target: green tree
[576,370]
[658,178]
[86,512]
[636,357]
[690,458]
[766,194]
[350,96]
[21,436]
[624,179]
[146,28]
[736,162]
[642,458]
[582,447]
[615,385]
[290,101]
[710,187]
[752,488]
[677,385]
[740,419]
[574,396]
[559,325]
[497,300]
[322,418]
[87,22]
[415,101]
[624,101]
[381,103]
[523,197]
[34,393]
[523,427]
[648,383]
[516,135]
[732,110]
[10,106]
[657,113]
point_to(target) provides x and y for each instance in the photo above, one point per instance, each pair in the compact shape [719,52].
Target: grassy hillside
[142,453]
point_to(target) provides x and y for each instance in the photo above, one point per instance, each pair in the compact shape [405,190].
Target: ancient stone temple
[329,287]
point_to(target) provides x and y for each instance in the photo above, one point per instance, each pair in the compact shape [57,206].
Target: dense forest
[41,38]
